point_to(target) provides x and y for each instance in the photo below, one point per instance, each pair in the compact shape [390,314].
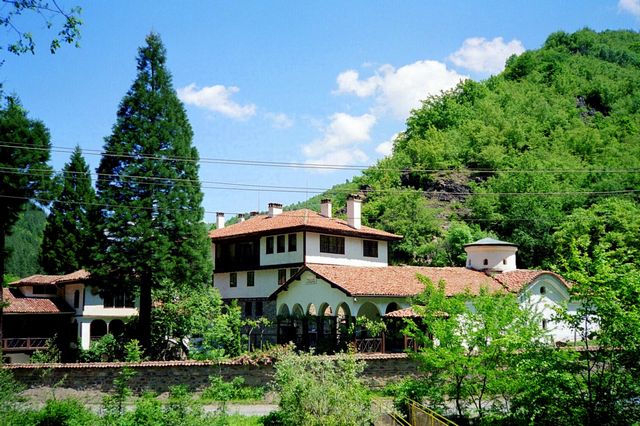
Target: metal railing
[419,415]
[17,344]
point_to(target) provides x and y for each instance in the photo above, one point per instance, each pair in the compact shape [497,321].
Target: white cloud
[631,6]
[279,120]
[487,56]
[217,99]
[400,90]
[386,148]
[339,143]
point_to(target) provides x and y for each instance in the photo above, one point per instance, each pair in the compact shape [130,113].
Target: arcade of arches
[328,329]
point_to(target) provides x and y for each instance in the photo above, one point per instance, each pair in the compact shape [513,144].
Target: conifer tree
[152,232]
[68,235]
[24,172]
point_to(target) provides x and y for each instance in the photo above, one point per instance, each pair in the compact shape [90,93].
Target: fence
[419,415]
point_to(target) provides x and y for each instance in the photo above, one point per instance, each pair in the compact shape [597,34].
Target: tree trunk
[144,313]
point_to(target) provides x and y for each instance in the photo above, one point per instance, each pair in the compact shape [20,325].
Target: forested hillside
[23,245]
[556,133]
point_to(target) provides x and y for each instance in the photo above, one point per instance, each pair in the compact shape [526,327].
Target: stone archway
[392,307]
[284,311]
[116,327]
[369,310]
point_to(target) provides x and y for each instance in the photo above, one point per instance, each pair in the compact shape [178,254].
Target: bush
[321,391]
[219,390]
[65,412]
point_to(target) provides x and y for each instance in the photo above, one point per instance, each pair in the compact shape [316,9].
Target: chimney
[354,206]
[274,209]
[252,214]
[241,218]
[219,220]
[325,207]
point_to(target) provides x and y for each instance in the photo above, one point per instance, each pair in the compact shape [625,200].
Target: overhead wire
[260,163]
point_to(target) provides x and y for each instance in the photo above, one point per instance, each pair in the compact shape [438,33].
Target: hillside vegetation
[556,133]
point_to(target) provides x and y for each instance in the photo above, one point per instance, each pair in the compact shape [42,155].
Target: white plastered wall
[352,256]
[499,258]
[285,257]
[310,289]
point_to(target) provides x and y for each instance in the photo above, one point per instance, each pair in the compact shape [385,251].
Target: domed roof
[490,242]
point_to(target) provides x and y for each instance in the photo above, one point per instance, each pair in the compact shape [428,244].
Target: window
[247,309]
[117,299]
[486,262]
[369,248]
[543,290]
[280,243]
[331,244]
[504,261]
[282,276]
[544,323]
[251,279]
[269,245]
[292,272]
[259,310]
[233,279]
[76,299]
[44,289]
[293,240]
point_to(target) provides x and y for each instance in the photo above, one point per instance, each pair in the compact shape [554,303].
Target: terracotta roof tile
[19,304]
[402,313]
[514,281]
[402,281]
[288,221]
[79,275]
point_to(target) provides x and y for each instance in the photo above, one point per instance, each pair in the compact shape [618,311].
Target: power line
[158,181]
[259,163]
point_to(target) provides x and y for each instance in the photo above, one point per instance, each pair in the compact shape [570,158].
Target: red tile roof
[19,304]
[515,280]
[79,275]
[296,220]
[402,281]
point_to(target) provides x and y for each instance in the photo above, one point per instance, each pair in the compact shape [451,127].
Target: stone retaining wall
[160,376]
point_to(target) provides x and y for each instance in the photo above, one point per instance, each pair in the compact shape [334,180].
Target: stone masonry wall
[160,376]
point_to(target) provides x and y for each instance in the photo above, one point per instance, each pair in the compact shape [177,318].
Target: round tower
[491,255]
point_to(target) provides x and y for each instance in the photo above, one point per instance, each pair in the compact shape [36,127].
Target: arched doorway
[97,329]
[116,327]
[392,307]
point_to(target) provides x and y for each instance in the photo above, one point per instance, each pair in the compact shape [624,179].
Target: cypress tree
[151,232]
[68,234]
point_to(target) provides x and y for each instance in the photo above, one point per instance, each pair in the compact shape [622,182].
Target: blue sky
[284,81]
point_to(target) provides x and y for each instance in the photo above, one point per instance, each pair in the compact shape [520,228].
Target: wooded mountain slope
[556,133]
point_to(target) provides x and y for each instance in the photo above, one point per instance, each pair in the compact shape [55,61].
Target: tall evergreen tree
[152,231]
[24,152]
[68,234]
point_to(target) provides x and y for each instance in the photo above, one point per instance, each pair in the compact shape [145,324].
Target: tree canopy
[152,229]
[68,236]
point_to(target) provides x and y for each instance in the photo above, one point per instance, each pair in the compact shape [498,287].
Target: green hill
[513,156]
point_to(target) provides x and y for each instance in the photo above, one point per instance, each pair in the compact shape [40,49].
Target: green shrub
[65,412]
[219,390]
[321,391]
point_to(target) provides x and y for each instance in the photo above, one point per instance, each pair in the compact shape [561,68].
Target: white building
[254,257]
[41,306]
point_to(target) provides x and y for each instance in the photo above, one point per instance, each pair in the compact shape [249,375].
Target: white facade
[285,257]
[353,252]
[265,283]
[500,258]
[310,294]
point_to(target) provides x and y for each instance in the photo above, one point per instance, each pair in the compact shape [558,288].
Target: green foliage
[24,242]
[219,390]
[50,354]
[69,234]
[154,233]
[320,391]
[470,347]
[65,412]
[132,351]
[69,30]
[105,349]
[201,317]
[113,405]
[11,403]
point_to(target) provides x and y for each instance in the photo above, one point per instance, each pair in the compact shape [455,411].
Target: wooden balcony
[24,344]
